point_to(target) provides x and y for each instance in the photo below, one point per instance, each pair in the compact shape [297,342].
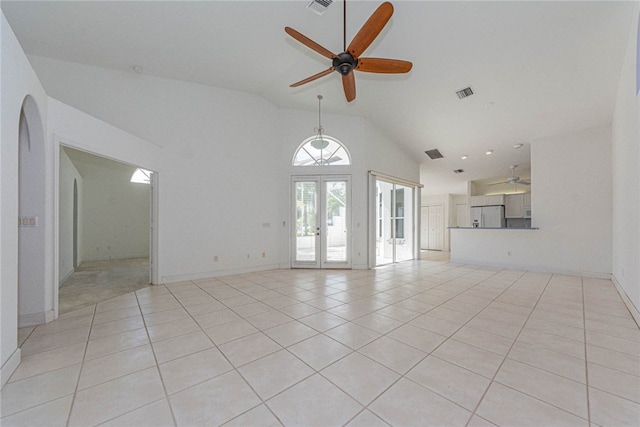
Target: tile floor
[95,281]
[418,343]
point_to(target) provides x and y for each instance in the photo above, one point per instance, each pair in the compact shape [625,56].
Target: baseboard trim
[34,319]
[9,367]
[627,301]
[65,278]
[218,273]
[537,269]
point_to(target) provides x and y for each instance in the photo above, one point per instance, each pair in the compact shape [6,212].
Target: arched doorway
[35,301]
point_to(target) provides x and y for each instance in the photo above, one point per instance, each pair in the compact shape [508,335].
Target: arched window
[141,176]
[321,151]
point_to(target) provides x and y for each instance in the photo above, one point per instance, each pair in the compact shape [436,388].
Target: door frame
[373,212]
[60,142]
[321,261]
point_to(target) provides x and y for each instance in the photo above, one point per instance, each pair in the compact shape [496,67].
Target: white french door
[321,221]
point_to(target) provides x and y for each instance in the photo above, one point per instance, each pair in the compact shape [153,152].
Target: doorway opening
[105,229]
[35,296]
[321,220]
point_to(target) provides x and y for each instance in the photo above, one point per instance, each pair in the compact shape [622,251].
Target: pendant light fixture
[319,143]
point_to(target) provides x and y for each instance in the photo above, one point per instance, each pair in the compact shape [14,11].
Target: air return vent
[434,154]
[464,92]
[319,6]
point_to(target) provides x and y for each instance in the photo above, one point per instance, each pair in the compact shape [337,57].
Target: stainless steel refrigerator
[488,217]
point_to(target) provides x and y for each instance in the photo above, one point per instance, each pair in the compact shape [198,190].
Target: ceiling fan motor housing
[345,63]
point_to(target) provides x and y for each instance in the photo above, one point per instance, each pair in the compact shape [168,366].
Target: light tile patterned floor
[418,343]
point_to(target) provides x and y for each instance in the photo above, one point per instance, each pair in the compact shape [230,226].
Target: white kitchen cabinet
[494,200]
[514,206]
[527,199]
[477,201]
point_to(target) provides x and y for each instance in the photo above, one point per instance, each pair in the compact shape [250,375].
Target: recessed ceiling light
[137,69]
[516,146]
[488,152]
[464,157]
[490,104]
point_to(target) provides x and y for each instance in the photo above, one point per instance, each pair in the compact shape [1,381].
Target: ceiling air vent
[464,92]
[319,6]
[434,154]
[458,171]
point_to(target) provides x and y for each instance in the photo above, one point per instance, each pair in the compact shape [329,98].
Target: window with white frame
[321,150]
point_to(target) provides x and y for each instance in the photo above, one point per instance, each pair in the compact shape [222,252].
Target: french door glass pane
[384,224]
[306,211]
[394,223]
[336,220]
[404,223]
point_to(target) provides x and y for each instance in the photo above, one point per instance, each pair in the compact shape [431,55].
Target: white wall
[68,174]
[369,150]
[115,213]
[17,81]
[217,155]
[572,200]
[221,154]
[626,175]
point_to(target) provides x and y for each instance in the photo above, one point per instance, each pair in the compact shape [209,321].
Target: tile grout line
[515,339]
[155,357]
[234,368]
[84,354]
[586,360]
[403,376]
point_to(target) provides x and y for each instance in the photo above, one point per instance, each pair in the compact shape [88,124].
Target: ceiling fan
[513,179]
[349,60]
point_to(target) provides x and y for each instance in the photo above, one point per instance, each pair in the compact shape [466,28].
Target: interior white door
[321,220]
[424,227]
[436,228]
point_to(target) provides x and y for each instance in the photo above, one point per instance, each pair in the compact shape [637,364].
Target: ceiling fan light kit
[349,60]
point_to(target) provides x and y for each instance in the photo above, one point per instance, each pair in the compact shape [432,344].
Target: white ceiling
[548,67]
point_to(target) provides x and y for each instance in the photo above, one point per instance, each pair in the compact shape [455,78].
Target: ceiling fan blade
[349,84]
[370,29]
[383,65]
[310,43]
[524,182]
[502,182]
[314,77]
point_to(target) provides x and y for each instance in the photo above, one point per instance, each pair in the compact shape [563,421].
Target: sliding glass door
[395,221]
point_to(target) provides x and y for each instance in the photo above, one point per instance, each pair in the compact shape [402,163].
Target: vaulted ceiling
[537,68]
